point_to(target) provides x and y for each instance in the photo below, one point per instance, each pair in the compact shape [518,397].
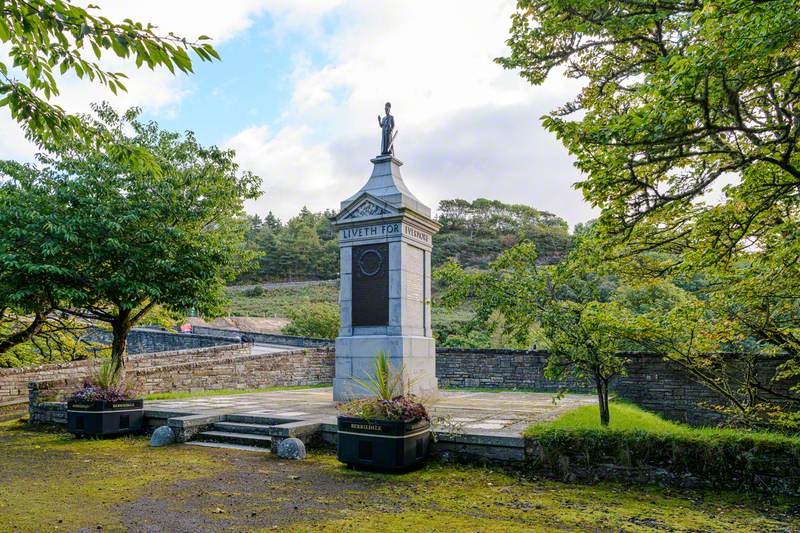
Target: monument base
[415,356]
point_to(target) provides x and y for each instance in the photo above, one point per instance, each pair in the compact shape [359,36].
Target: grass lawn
[52,482]
[626,416]
[276,302]
[224,392]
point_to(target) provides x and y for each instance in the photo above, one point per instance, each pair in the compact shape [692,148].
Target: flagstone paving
[475,412]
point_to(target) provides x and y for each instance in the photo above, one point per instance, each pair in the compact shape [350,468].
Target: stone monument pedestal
[385,238]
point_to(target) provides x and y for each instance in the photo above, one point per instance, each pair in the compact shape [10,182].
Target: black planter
[390,445]
[99,417]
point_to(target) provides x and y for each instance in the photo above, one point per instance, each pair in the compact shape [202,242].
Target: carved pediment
[366,208]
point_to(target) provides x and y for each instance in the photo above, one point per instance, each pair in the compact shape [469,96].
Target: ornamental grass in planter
[388,430]
[104,406]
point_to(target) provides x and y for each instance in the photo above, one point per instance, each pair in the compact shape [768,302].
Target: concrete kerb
[485,446]
[447,446]
[186,427]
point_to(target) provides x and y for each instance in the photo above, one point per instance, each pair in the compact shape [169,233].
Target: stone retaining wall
[667,389]
[651,382]
[266,338]
[461,368]
[150,340]
[14,381]
[233,367]
[743,464]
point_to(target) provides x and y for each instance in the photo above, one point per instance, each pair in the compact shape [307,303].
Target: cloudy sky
[301,83]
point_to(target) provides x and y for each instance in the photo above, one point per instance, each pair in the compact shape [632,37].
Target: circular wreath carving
[370,262]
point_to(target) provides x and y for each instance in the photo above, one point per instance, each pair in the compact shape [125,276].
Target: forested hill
[473,233]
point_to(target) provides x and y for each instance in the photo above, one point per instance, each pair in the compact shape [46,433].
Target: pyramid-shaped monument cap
[386,184]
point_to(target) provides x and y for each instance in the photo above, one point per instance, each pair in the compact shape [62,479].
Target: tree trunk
[119,344]
[24,335]
[602,400]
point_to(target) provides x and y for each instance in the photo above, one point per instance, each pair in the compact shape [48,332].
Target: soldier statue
[388,134]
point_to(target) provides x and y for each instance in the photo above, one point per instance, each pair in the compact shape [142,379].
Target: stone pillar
[385,238]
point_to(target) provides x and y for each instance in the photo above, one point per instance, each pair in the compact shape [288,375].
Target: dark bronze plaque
[371,285]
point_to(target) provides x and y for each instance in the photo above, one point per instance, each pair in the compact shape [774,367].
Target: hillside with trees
[473,234]
[304,248]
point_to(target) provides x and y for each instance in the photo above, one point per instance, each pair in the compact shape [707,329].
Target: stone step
[264,420]
[230,437]
[242,427]
[227,446]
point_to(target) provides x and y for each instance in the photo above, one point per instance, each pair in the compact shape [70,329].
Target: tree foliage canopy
[51,38]
[687,129]
[474,233]
[570,305]
[108,240]
[679,96]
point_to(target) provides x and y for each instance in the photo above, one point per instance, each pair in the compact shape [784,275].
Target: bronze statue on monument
[388,132]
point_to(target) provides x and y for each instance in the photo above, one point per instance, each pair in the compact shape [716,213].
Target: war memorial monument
[385,236]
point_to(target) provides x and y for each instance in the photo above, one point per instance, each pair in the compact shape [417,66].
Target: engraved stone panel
[370,267]
[414,287]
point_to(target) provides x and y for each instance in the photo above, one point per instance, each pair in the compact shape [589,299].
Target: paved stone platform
[497,413]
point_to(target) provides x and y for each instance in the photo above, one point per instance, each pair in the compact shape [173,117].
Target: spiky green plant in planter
[388,430]
[105,405]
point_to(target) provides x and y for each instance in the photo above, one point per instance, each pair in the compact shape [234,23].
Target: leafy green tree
[687,129]
[318,320]
[678,97]
[306,247]
[27,340]
[108,240]
[724,344]
[568,303]
[50,38]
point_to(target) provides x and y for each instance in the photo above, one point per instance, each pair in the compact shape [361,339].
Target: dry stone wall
[232,367]
[150,340]
[651,382]
[14,381]
[462,368]
[265,338]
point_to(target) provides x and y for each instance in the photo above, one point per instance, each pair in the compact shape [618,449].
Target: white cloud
[13,144]
[280,159]
[159,92]
[467,128]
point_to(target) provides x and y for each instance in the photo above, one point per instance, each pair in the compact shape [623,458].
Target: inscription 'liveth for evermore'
[381,230]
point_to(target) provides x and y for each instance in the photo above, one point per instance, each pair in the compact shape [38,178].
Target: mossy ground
[51,482]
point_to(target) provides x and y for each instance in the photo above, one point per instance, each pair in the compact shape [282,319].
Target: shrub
[255,292]
[645,448]
[315,320]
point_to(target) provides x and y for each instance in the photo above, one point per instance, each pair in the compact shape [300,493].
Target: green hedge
[671,455]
